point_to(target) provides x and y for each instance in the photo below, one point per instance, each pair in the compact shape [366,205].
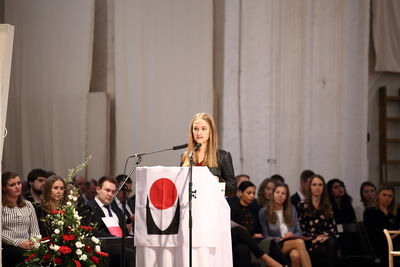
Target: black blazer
[225,171]
[131,205]
[101,229]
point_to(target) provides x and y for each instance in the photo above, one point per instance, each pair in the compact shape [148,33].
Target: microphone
[158,151]
[194,149]
[180,147]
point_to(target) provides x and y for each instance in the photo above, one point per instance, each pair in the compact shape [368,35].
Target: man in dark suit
[130,203]
[102,209]
[301,193]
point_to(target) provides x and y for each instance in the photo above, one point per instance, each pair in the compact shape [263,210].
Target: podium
[162,218]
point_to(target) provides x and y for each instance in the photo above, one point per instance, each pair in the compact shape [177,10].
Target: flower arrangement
[70,243]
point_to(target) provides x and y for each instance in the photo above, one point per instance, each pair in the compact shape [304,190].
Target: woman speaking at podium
[203,131]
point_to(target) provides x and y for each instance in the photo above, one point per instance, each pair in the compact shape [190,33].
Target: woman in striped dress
[19,222]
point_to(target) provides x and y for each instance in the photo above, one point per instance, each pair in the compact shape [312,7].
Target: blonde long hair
[210,159]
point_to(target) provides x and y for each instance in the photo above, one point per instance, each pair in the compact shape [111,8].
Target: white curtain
[302,89]
[386,34]
[163,75]
[49,85]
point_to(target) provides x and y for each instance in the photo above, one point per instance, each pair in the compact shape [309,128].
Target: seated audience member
[79,182]
[238,179]
[382,216]
[278,179]
[54,193]
[368,199]
[343,210]
[130,204]
[245,215]
[90,190]
[102,209]
[300,194]
[264,194]
[18,221]
[317,222]
[36,180]
[101,206]
[279,221]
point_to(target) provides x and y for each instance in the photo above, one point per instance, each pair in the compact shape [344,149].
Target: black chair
[356,249]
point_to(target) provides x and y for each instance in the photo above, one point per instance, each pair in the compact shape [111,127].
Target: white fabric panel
[303,90]
[386,34]
[98,131]
[49,85]
[6,48]
[163,55]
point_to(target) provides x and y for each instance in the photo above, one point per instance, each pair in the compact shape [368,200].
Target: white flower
[79,244]
[60,223]
[56,231]
[83,257]
[95,240]
[97,248]
[54,247]
[78,252]
[69,203]
[45,241]
[76,216]
[36,245]
[70,197]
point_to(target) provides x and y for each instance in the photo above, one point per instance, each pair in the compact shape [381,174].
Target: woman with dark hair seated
[247,235]
[343,210]
[316,221]
[383,216]
[18,220]
[279,221]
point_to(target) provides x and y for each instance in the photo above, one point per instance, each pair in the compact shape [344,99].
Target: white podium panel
[162,218]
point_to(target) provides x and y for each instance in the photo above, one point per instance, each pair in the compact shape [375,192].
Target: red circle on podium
[163,193]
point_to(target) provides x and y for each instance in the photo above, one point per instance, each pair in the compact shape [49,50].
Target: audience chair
[391,253]
[354,249]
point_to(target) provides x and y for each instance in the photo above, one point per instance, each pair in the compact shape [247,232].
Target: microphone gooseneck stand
[123,188]
[138,157]
[191,195]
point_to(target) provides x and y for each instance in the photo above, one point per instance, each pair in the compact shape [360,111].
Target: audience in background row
[265,192]
[279,222]
[18,221]
[368,199]
[302,192]
[36,180]
[383,215]
[276,228]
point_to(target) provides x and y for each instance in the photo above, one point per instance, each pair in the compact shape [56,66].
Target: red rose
[54,212]
[78,264]
[94,259]
[30,257]
[58,260]
[68,237]
[65,250]
[47,257]
[102,253]
[88,249]
[44,238]
[86,227]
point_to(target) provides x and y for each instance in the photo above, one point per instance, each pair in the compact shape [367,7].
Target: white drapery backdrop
[50,80]
[163,74]
[294,96]
[301,97]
